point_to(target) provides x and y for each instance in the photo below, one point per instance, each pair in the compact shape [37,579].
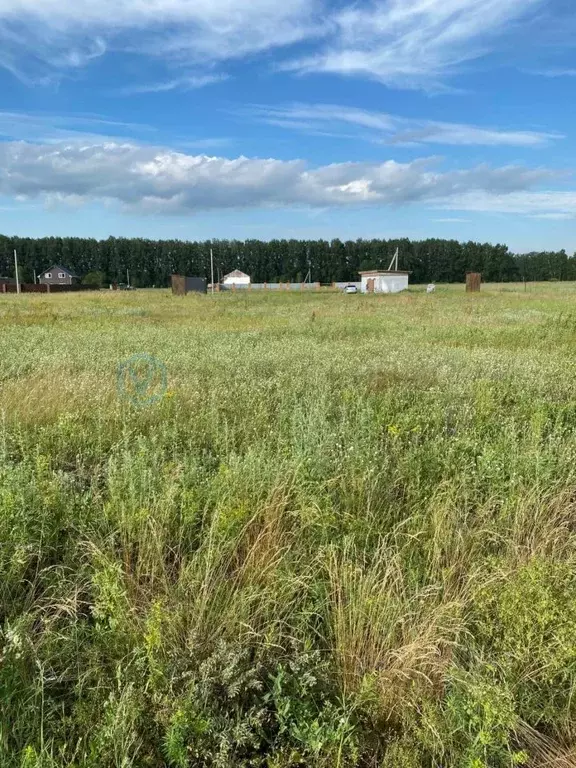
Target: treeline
[151,262]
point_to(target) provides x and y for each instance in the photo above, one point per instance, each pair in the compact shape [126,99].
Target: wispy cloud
[452,221]
[38,52]
[552,72]
[402,43]
[185,83]
[552,204]
[414,43]
[15,208]
[558,216]
[391,129]
[47,128]
[149,179]
[216,142]
[41,39]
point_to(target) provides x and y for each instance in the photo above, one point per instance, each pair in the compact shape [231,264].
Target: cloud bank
[149,179]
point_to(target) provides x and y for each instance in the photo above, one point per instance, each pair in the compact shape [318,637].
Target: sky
[197,119]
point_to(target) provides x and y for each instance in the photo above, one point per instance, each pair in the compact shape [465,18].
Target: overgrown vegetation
[346,535]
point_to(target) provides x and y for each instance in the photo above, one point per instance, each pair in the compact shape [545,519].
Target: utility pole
[16,271]
[34,277]
[212,267]
[128,278]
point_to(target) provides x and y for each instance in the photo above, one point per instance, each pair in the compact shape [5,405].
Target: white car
[351,289]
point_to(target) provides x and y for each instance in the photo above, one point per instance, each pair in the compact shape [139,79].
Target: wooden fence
[42,288]
[270,287]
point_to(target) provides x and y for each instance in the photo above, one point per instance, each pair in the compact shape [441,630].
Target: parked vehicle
[351,289]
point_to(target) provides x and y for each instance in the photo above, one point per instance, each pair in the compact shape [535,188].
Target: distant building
[381,281]
[181,285]
[236,278]
[58,275]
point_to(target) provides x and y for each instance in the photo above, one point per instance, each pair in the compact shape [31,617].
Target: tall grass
[346,535]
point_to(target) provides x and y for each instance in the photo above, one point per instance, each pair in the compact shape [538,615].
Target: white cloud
[452,221]
[186,83]
[160,180]
[381,127]
[46,128]
[37,52]
[403,43]
[115,14]
[548,204]
[42,37]
[553,72]
[414,43]
[556,216]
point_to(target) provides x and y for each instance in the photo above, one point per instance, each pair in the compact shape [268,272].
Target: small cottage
[236,278]
[58,275]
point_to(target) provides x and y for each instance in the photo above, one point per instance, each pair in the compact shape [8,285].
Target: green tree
[94,278]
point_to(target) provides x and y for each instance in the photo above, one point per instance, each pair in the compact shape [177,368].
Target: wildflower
[394,430]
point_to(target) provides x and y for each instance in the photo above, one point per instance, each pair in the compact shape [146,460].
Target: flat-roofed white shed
[384,281]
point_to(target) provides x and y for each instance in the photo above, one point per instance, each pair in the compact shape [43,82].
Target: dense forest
[150,263]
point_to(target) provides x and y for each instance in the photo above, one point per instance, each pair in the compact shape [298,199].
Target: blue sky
[303,118]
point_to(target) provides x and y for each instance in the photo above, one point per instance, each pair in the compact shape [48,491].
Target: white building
[236,278]
[381,281]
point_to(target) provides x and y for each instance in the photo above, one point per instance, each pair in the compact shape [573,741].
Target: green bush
[94,278]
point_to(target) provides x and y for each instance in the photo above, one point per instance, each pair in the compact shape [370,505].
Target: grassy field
[343,533]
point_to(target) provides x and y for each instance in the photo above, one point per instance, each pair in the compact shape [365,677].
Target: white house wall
[393,284]
[385,284]
[236,281]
